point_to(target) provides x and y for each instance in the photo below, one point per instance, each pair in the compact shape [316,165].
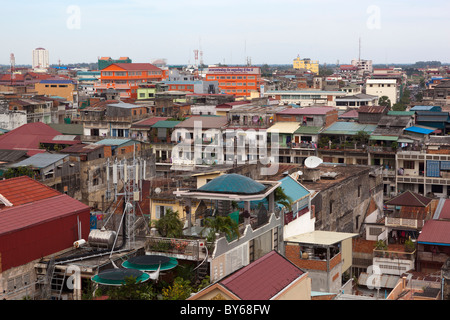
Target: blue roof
[233,183]
[426,108]
[349,128]
[113,142]
[293,189]
[420,130]
[40,160]
[56,81]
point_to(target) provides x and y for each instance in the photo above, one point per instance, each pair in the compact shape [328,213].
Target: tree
[362,137]
[282,198]
[220,224]
[19,171]
[180,290]
[132,290]
[384,101]
[169,225]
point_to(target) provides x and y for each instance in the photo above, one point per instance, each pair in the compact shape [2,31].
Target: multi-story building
[306,64]
[383,87]
[103,62]
[126,78]
[64,88]
[40,59]
[239,81]
[304,98]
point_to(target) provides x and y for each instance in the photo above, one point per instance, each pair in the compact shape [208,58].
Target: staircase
[202,271]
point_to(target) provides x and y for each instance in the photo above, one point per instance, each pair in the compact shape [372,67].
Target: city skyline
[272,32]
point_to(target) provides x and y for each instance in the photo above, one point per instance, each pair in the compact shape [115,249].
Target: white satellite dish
[158,190]
[300,173]
[313,162]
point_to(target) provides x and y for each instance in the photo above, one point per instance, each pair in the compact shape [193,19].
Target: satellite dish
[158,190]
[313,162]
[300,173]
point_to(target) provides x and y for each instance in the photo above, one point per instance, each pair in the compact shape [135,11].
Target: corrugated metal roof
[113,142]
[263,278]
[284,127]
[435,232]
[308,130]
[409,198]
[40,160]
[307,110]
[23,190]
[385,280]
[419,130]
[349,128]
[206,122]
[148,122]
[165,124]
[293,189]
[27,215]
[400,113]
[385,138]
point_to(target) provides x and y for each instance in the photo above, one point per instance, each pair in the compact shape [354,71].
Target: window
[408,164]
[161,211]
[107,73]
[331,206]
[359,191]
[120,74]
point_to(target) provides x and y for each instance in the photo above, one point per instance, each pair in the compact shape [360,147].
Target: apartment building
[304,98]
[126,78]
[383,87]
[306,64]
[239,81]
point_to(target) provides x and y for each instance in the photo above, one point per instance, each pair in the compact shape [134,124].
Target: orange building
[125,78]
[240,81]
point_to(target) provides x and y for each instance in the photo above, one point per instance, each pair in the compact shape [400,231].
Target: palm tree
[169,225]
[220,224]
[282,198]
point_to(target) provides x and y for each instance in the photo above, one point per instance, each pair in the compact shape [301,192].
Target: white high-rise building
[40,59]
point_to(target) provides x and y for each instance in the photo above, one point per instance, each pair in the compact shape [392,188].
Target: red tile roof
[16,218]
[27,137]
[23,190]
[409,199]
[137,66]
[263,278]
[435,231]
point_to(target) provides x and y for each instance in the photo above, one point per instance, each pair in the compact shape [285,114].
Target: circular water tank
[101,238]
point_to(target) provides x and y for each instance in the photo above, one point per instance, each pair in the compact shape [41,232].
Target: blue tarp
[420,130]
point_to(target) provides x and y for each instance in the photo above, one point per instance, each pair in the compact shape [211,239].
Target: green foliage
[409,245]
[181,289]
[362,137]
[384,101]
[132,291]
[19,171]
[220,224]
[282,198]
[381,245]
[169,225]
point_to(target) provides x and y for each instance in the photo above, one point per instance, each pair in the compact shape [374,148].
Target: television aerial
[313,162]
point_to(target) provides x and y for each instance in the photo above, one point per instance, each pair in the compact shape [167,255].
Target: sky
[226,31]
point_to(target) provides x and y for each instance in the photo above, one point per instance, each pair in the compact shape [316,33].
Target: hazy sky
[227,31]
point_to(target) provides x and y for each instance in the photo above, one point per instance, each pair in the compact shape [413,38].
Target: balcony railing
[402,222]
[195,249]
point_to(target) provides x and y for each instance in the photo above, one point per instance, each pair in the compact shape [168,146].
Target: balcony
[393,261]
[186,249]
[394,222]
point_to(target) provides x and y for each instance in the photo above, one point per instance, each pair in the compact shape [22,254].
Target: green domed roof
[233,183]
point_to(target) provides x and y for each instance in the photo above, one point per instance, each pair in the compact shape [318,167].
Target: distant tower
[13,64]
[40,59]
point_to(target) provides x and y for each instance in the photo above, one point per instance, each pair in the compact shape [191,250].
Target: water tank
[101,238]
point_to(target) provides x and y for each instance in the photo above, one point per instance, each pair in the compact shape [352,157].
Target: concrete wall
[12,120]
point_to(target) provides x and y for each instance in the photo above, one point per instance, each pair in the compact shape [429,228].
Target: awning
[403,140]
[385,138]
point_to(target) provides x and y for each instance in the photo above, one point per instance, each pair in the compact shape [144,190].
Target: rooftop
[307,110]
[262,279]
[319,237]
[233,183]
[40,160]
